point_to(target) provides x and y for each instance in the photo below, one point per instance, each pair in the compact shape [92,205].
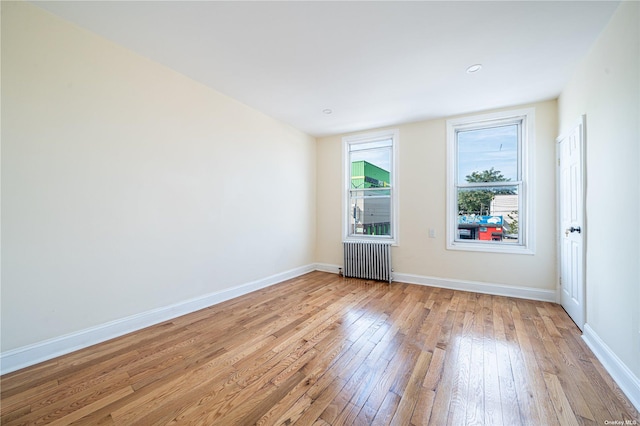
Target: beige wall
[606,88]
[422,186]
[128,187]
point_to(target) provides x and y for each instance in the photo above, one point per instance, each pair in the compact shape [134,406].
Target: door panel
[571,213]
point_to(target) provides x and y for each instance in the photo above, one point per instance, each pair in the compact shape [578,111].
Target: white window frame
[526,190]
[368,137]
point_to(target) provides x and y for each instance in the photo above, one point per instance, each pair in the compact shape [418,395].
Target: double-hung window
[370,186]
[490,183]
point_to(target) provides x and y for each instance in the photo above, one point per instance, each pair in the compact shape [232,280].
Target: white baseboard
[42,351]
[326,267]
[628,382]
[479,287]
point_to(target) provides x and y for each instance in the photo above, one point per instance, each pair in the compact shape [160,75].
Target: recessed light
[327,111]
[474,68]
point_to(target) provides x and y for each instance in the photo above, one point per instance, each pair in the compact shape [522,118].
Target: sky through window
[482,149]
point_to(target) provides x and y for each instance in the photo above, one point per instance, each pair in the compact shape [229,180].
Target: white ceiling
[372,63]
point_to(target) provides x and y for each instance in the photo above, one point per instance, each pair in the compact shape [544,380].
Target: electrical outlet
[432,233]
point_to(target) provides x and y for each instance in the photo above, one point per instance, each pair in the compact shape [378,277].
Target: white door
[571,222]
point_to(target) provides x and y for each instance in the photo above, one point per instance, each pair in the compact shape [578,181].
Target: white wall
[127,187]
[606,87]
[422,186]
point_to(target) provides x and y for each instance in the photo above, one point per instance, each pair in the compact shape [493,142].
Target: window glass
[487,200]
[494,148]
[370,194]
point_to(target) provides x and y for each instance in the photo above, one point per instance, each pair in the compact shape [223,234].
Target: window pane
[370,216]
[488,155]
[488,213]
[371,168]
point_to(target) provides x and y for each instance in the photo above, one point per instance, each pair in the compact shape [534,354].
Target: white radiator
[368,260]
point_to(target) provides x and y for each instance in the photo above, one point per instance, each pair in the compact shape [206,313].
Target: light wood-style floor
[323,350]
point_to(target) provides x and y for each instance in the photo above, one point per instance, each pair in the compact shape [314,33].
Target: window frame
[362,138]
[526,191]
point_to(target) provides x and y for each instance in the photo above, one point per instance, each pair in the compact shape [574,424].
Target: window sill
[370,239]
[490,248]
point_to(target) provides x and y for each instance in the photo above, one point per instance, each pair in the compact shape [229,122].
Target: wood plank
[424,404]
[559,400]
[88,409]
[58,408]
[492,408]
[449,342]
[408,400]
[508,396]
[26,397]
[460,389]
[478,392]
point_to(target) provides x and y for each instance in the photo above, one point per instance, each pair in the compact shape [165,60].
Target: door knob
[572,229]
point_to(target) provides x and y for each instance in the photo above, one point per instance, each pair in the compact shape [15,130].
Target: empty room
[320,213]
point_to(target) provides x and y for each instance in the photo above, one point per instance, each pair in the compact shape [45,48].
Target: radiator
[368,260]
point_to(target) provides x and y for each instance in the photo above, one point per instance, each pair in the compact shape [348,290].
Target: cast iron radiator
[368,260]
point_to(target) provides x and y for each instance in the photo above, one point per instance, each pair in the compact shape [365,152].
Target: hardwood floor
[323,350]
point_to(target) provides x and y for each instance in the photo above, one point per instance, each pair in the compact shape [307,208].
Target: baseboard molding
[479,287]
[628,382]
[326,267]
[48,349]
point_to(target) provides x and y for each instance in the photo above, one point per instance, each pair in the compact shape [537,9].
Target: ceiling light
[327,111]
[474,68]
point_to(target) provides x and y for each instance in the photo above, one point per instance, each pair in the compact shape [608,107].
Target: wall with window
[127,187]
[606,87]
[422,207]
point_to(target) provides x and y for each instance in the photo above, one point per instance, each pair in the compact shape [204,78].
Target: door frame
[582,123]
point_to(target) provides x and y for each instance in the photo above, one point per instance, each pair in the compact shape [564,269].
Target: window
[370,191]
[489,182]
